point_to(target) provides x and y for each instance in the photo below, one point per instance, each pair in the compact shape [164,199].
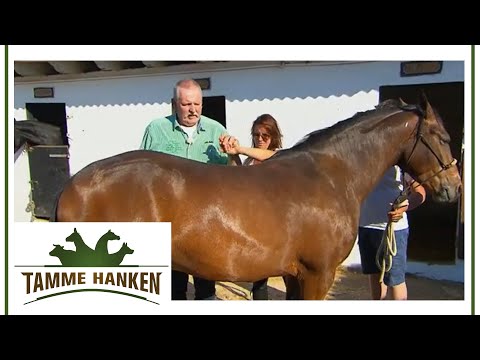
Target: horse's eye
[443,142]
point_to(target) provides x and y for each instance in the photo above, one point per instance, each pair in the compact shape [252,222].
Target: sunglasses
[264,136]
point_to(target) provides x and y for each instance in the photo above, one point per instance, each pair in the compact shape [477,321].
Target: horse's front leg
[315,285]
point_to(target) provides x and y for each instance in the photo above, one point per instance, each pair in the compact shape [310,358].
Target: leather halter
[419,136]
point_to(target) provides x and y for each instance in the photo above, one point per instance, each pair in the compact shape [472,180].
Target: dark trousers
[260,290]
[203,288]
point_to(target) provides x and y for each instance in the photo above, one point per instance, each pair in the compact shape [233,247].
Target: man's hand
[229,144]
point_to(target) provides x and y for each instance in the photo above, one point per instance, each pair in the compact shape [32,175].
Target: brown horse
[294,215]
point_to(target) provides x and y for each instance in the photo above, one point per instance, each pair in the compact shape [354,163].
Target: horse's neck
[364,153]
[105,238]
[102,245]
[80,244]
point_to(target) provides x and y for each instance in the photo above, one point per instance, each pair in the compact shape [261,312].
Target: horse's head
[73,236]
[111,235]
[428,157]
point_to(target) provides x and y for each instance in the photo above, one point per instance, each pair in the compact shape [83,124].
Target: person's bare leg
[378,290]
[399,292]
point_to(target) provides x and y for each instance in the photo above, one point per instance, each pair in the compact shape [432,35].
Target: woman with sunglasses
[266,140]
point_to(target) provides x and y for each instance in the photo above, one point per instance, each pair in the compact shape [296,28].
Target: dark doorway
[433,226]
[214,108]
[51,113]
[49,165]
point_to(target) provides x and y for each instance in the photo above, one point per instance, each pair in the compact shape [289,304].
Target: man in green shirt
[190,135]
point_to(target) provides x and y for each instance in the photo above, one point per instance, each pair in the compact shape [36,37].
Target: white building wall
[21,187]
[106,117]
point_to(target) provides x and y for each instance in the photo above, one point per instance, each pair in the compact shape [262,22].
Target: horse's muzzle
[448,194]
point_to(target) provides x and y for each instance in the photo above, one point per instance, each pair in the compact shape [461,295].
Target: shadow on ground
[350,284]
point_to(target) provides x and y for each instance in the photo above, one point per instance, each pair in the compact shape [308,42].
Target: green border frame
[472,179]
[7,146]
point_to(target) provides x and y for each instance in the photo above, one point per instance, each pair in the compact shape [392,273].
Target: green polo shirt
[166,135]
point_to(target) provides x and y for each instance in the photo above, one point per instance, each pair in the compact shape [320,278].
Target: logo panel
[90,268]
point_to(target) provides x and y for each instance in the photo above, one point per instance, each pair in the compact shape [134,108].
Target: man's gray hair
[185,83]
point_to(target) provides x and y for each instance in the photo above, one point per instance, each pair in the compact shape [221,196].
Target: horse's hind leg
[293,288]
[317,284]
[69,205]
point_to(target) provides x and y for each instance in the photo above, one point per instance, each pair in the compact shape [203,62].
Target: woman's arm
[231,146]
[417,193]
[416,196]
[255,153]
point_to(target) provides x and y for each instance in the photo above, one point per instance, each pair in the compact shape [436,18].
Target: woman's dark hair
[271,125]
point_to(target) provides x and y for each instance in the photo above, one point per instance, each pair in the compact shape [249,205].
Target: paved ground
[350,284]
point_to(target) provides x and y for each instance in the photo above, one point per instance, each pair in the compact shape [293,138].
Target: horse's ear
[426,107]
[402,103]
[74,229]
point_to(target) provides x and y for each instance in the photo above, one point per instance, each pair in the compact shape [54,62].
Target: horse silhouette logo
[83,255]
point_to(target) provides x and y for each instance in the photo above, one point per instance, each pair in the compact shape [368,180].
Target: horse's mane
[383,109]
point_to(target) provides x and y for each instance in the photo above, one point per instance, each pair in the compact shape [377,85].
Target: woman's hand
[229,144]
[397,213]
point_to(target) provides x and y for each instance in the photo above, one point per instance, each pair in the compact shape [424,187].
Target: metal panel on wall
[49,170]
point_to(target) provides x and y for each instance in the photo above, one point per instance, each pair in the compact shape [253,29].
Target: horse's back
[132,186]
[103,190]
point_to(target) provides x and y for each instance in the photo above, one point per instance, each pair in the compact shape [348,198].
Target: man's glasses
[264,136]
